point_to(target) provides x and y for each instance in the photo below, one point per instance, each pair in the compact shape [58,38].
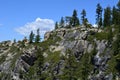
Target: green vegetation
[2,75]
[111,16]
[75,20]
[101,36]
[37,38]
[73,64]
[116,44]
[62,22]
[98,36]
[107,17]
[2,59]
[53,56]
[31,37]
[70,66]
[99,15]
[83,15]
[35,71]
[13,61]
[86,66]
[34,38]
[56,25]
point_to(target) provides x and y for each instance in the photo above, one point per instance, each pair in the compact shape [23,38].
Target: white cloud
[95,25]
[43,24]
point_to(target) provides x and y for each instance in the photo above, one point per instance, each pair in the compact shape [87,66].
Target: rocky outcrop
[76,33]
[16,58]
[76,40]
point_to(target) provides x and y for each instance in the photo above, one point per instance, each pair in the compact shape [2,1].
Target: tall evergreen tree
[118,13]
[85,65]
[62,22]
[39,62]
[37,39]
[100,22]
[114,15]
[99,15]
[56,25]
[14,41]
[118,5]
[110,35]
[31,37]
[68,20]
[116,45]
[107,17]
[75,20]
[83,15]
[85,22]
[70,66]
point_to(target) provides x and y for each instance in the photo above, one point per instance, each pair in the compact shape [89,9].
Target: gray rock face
[6,43]
[101,46]
[5,66]
[75,39]
[47,35]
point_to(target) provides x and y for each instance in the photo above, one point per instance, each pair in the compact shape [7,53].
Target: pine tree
[14,41]
[68,21]
[118,13]
[99,15]
[116,45]
[86,22]
[62,22]
[118,5]
[70,66]
[110,35]
[83,13]
[100,22]
[75,20]
[116,50]
[37,39]
[31,37]
[85,66]
[114,15]
[39,63]
[107,17]
[56,25]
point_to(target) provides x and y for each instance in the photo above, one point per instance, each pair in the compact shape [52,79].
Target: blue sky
[18,17]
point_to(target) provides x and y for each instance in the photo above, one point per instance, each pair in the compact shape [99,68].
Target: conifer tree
[114,15]
[118,5]
[86,23]
[70,66]
[75,20]
[68,21]
[14,41]
[56,25]
[116,50]
[62,22]
[85,66]
[31,37]
[100,22]
[83,15]
[40,61]
[110,35]
[118,13]
[107,17]
[99,15]
[37,39]
[116,45]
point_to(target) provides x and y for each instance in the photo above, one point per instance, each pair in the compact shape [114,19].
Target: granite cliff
[77,53]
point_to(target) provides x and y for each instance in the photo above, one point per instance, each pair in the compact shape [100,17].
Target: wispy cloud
[43,24]
[95,25]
